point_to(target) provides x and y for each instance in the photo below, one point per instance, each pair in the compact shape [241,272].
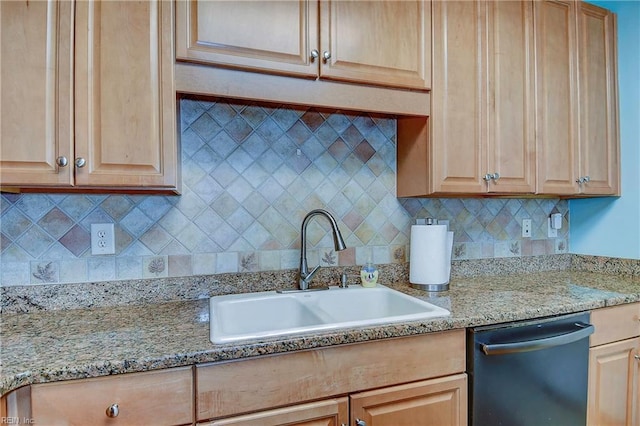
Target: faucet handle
[310,275]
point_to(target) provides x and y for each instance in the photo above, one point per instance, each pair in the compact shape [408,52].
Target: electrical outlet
[551,232]
[526,228]
[102,239]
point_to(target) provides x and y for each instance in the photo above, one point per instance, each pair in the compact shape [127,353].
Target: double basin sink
[240,317]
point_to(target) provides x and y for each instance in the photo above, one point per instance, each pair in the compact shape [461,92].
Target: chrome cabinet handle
[314,54]
[360,422]
[491,176]
[586,179]
[80,162]
[112,411]
[583,179]
[636,356]
[62,161]
[326,55]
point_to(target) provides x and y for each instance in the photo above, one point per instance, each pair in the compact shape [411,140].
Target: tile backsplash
[251,171]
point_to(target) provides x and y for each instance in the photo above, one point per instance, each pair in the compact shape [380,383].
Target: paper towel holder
[433,287]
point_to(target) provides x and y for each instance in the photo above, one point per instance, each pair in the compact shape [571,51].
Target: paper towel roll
[430,258]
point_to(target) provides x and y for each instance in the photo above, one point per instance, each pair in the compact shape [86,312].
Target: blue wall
[611,226]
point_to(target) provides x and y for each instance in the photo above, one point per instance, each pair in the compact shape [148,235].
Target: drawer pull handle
[113,411]
[360,422]
[636,356]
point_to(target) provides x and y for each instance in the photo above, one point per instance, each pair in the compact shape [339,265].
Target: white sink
[240,317]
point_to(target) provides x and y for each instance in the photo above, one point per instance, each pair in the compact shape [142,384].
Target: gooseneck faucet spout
[305,276]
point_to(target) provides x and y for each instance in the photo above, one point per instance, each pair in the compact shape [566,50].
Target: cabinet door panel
[378,42]
[125,97]
[511,143]
[275,36]
[435,402]
[333,412]
[557,131]
[458,124]
[36,68]
[598,100]
[613,383]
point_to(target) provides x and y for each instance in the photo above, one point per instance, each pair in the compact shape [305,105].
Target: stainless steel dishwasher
[529,373]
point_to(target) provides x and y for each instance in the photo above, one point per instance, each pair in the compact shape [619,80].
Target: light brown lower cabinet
[441,401]
[415,380]
[332,412]
[614,367]
[163,397]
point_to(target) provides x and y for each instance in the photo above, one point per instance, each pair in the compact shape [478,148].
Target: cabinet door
[377,42]
[614,372]
[511,116]
[274,36]
[125,105]
[332,412]
[557,102]
[599,157]
[36,63]
[436,402]
[458,98]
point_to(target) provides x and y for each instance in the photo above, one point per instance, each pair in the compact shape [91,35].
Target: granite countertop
[60,345]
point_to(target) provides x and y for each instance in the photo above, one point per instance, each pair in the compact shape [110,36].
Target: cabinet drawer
[615,323]
[230,388]
[160,397]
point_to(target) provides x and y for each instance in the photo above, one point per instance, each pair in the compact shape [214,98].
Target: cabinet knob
[62,161]
[314,54]
[495,176]
[636,356]
[113,411]
[326,55]
[80,162]
[586,179]
[360,422]
[491,176]
[487,177]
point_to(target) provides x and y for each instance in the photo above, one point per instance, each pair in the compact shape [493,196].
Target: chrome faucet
[305,276]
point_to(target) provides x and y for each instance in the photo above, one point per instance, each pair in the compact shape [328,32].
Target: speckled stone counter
[72,344]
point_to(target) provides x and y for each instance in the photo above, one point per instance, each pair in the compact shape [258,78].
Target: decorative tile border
[29,298]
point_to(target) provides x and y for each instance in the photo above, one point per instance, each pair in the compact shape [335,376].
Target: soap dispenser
[369,274]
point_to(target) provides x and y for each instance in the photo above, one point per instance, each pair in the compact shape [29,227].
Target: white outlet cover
[102,239]
[526,228]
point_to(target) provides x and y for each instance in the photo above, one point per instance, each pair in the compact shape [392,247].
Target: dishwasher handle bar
[580,331]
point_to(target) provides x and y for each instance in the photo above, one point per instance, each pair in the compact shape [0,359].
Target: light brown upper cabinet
[480,136]
[598,97]
[36,92]
[524,101]
[88,98]
[384,43]
[577,131]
